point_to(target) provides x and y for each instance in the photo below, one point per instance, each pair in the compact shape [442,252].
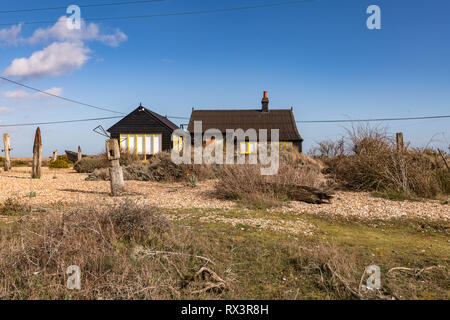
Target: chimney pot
[265,102]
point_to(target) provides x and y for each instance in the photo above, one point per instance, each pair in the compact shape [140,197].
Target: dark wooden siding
[142,122]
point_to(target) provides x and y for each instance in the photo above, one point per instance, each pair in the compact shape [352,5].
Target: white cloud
[10,36]
[22,94]
[88,32]
[4,110]
[67,53]
[56,59]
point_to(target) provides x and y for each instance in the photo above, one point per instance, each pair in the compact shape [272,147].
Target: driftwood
[309,194]
[73,156]
[306,194]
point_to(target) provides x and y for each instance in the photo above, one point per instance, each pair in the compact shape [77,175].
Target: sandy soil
[65,186]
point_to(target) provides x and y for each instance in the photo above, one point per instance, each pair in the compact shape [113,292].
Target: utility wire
[60,97]
[55,122]
[185,118]
[184,13]
[373,120]
[83,6]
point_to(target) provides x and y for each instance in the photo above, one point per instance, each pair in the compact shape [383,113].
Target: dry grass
[127,252]
[157,168]
[246,184]
[371,162]
[12,207]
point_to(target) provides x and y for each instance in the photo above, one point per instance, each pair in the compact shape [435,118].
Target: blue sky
[318,57]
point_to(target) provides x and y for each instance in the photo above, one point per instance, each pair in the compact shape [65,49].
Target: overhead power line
[55,122]
[184,13]
[82,6]
[374,120]
[60,97]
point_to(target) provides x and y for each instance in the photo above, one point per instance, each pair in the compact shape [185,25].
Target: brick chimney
[265,103]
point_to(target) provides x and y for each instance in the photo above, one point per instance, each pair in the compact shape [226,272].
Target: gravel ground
[65,186]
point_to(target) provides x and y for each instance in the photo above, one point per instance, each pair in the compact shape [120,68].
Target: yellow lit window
[285,145]
[141,143]
[247,147]
[177,142]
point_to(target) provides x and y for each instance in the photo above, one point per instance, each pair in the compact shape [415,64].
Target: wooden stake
[399,137]
[54,155]
[7,152]
[443,158]
[79,153]
[115,170]
[37,155]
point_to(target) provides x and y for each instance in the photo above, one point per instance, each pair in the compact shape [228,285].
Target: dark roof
[163,120]
[282,119]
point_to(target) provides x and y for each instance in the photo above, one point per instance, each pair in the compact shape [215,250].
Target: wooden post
[54,155]
[79,154]
[37,155]
[7,152]
[399,137]
[443,158]
[115,170]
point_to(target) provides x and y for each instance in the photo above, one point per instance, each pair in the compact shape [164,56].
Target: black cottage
[144,132]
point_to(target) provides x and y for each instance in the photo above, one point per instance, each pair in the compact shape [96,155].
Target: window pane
[124,142]
[251,147]
[140,144]
[243,146]
[132,143]
[157,143]
[148,144]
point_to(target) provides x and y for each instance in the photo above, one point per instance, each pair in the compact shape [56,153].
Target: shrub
[299,178]
[157,168]
[89,164]
[124,252]
[63,157]
[372,163]
[11,207]
[59,163]
[20,163]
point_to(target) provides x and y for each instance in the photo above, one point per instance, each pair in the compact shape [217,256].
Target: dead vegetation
[156,168]
[298,178]
[369,160]
[35,254]
[134,252]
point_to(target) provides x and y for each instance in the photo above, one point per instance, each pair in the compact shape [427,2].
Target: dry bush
[334,270]
[328,149]
[12,207]
[372,163]
[244,182]
[58,164]
[126,252]
[89,164]
[157,168]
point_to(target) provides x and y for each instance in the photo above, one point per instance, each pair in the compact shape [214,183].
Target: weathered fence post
[54,155]
[79,154]
[115,170]
[7,150]
[399,137]
[443,158]
[37,155]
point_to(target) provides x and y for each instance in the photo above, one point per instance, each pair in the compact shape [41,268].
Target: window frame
[123,136]
[247,147]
